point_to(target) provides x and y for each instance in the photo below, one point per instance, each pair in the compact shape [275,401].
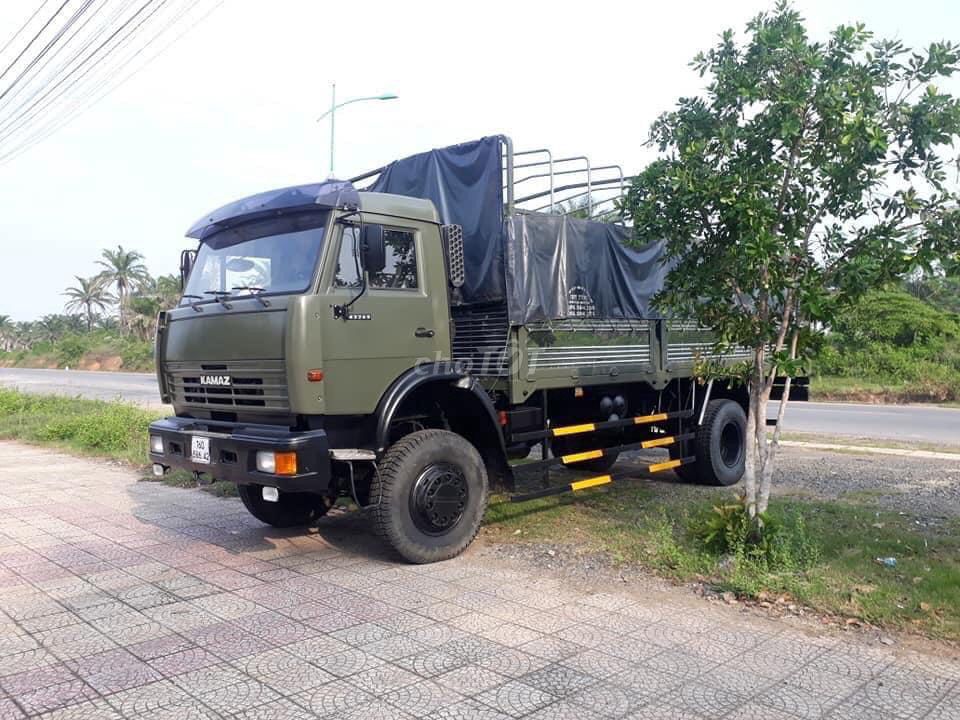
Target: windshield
[277,255]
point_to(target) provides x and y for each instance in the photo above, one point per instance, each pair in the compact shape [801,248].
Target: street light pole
[332,112]
[333,117]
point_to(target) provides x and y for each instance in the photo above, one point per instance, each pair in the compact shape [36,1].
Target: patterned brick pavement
[125,599]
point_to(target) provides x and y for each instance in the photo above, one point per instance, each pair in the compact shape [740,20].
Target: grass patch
[881,390]
[94,427]
[118,431]
[824,555]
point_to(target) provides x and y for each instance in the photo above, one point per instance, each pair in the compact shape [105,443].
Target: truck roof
[327,194]
[399,206]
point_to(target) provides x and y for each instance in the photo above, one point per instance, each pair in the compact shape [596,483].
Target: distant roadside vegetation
[901,344]
[108,322]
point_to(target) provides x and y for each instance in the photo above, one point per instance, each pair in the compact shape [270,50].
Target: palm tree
[86,296]
[7,329]
[125,270]
[50,328]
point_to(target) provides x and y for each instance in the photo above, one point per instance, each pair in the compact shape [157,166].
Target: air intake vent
[453,242]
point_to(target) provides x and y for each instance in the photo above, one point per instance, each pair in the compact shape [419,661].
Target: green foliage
[777,555]
[892,337]
[894,318]
[778,177]
[110,429]
[71,348]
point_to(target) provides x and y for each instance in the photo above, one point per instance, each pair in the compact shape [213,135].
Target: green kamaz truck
[408,337]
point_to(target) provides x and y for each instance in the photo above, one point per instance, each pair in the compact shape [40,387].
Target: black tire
[429,495]
[291,510]
[719,446]
[568,445]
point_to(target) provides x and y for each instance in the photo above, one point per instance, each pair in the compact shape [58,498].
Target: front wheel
[290,510]
[429,495]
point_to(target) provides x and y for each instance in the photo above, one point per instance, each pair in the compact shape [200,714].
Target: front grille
[256,385]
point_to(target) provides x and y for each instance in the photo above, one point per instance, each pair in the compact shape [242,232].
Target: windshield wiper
[194,305]
[255,291]
[220,296]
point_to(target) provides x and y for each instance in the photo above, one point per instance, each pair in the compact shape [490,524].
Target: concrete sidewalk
[127,599]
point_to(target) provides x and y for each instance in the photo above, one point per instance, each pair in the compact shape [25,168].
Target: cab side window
[347,275]
[400,271]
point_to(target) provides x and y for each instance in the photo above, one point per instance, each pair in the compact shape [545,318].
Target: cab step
[566,430]
[596,481]
[572,458]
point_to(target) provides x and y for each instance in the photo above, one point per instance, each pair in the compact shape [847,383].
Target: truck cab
[309,317]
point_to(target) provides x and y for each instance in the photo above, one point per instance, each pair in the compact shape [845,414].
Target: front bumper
[233,452]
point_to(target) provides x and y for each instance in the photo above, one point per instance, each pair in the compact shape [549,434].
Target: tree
[88,296]
[810,173]
[124,269]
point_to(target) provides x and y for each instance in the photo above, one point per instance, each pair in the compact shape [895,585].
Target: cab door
[401,319]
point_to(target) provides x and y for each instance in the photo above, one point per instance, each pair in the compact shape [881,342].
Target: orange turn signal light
[286,463]
[314,375]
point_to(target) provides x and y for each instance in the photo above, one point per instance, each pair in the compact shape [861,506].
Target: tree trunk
[766,477]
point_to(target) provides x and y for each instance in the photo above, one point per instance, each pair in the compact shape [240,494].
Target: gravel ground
[930,488]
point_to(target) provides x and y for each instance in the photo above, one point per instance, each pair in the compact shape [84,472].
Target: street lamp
[334,107]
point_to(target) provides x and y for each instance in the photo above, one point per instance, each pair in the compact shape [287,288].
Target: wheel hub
[439,498]
[731,444]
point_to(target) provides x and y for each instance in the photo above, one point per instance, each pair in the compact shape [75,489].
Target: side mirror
[187,258]
[373,248]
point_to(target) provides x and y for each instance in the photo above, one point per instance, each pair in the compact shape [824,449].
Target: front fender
[419,377]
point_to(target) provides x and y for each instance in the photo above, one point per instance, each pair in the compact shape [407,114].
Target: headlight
[266,462]
[277,463]
[156,444]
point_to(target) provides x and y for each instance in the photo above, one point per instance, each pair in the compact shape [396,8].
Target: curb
[903,452]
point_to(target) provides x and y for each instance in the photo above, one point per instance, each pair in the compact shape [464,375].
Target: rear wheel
[429,495]
[719,446]
[290,510]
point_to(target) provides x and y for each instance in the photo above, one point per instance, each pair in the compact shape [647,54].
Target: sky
[230,109]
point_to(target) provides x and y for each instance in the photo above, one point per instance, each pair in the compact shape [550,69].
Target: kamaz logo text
[220,380]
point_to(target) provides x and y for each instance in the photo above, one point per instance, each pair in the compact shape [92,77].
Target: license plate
[200,450]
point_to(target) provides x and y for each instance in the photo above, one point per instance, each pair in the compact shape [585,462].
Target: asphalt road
[911,423]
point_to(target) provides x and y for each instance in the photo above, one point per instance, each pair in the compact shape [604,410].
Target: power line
[50,43]
[34,39]
[97,82]
[13,38]
[79,107]
[101,28]
[18,122]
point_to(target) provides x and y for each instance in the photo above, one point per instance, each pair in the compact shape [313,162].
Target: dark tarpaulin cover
[560,267]
[465,183]
[546,267]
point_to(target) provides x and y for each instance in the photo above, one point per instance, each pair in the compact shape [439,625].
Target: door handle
[424,332]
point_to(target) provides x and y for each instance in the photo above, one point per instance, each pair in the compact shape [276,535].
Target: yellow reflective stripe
[640,420]
[573,429]
[579,457]
[659,442]
[591,482]
[657,467]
